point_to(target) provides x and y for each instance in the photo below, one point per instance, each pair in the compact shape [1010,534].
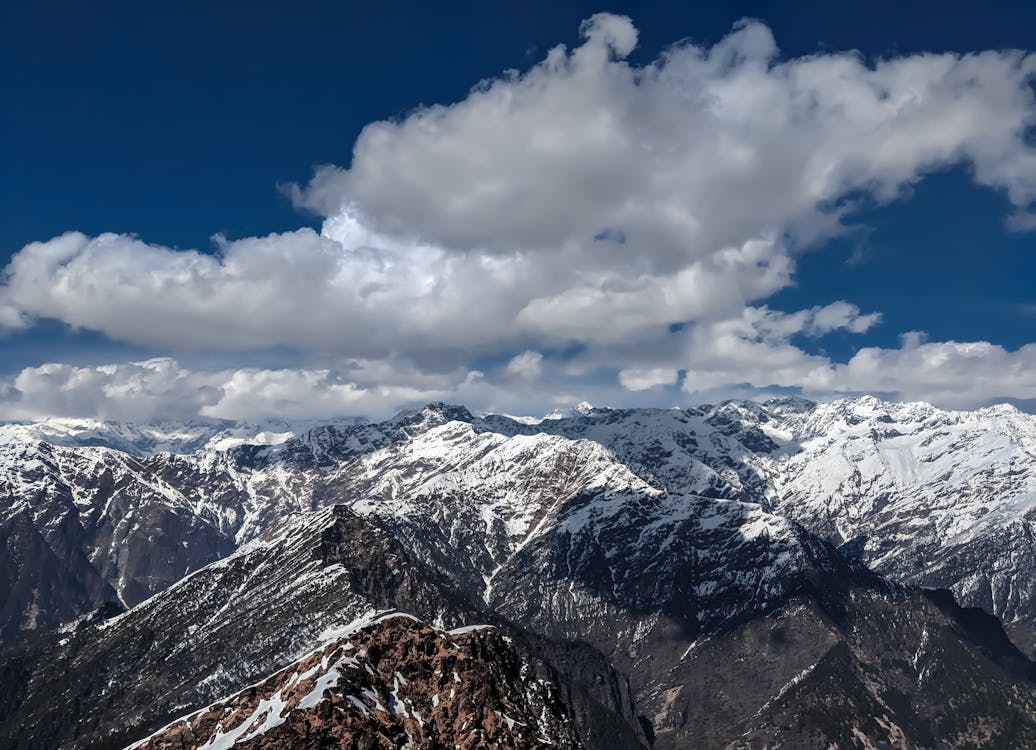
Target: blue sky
[170,125]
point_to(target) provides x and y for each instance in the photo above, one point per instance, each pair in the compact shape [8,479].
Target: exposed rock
[395,683]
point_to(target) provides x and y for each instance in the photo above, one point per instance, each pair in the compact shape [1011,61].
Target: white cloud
[636,379]
[585,203]
[163,388]
[528,365]
[948,373]
[754,347]
[737,363]
[703,149]
[314,394]
[131,391]
[837,315]
[755,351]
[707,163]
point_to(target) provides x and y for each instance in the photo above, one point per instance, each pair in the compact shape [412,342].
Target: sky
[308,210]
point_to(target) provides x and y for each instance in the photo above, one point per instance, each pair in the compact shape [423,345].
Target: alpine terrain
[856,573]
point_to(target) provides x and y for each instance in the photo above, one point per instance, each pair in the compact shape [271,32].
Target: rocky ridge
[392,683]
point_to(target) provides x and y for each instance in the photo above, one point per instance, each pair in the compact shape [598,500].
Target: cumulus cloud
[708,162]
[158,388]
[700,150]
[163,388]
[738,364]
[949,373]
[639,379]
[639,215]
[528,365]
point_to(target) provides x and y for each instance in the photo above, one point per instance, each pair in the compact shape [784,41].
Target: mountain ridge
[786,455]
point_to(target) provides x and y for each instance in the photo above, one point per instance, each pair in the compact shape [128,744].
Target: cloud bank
[593,225]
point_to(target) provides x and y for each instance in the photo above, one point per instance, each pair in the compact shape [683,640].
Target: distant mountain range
[163,436]
[857,573]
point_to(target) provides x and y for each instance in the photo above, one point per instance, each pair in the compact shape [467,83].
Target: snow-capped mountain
[441,477]
[925,496]
[670,542]
[84,526]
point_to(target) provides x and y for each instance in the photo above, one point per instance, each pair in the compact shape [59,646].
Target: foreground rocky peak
[393,683]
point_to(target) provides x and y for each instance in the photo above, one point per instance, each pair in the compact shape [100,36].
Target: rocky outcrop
[394,683]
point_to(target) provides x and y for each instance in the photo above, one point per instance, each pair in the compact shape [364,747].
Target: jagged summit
[433,415]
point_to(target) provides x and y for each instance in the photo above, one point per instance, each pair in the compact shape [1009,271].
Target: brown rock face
[395,683]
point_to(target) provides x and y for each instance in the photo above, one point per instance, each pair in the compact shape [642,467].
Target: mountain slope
[86,526]
[891,668]
[239,619]
[925,496]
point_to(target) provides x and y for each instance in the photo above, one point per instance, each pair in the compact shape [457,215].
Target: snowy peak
[432,415]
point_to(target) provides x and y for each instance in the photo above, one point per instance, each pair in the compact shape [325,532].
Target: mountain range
[855,573]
